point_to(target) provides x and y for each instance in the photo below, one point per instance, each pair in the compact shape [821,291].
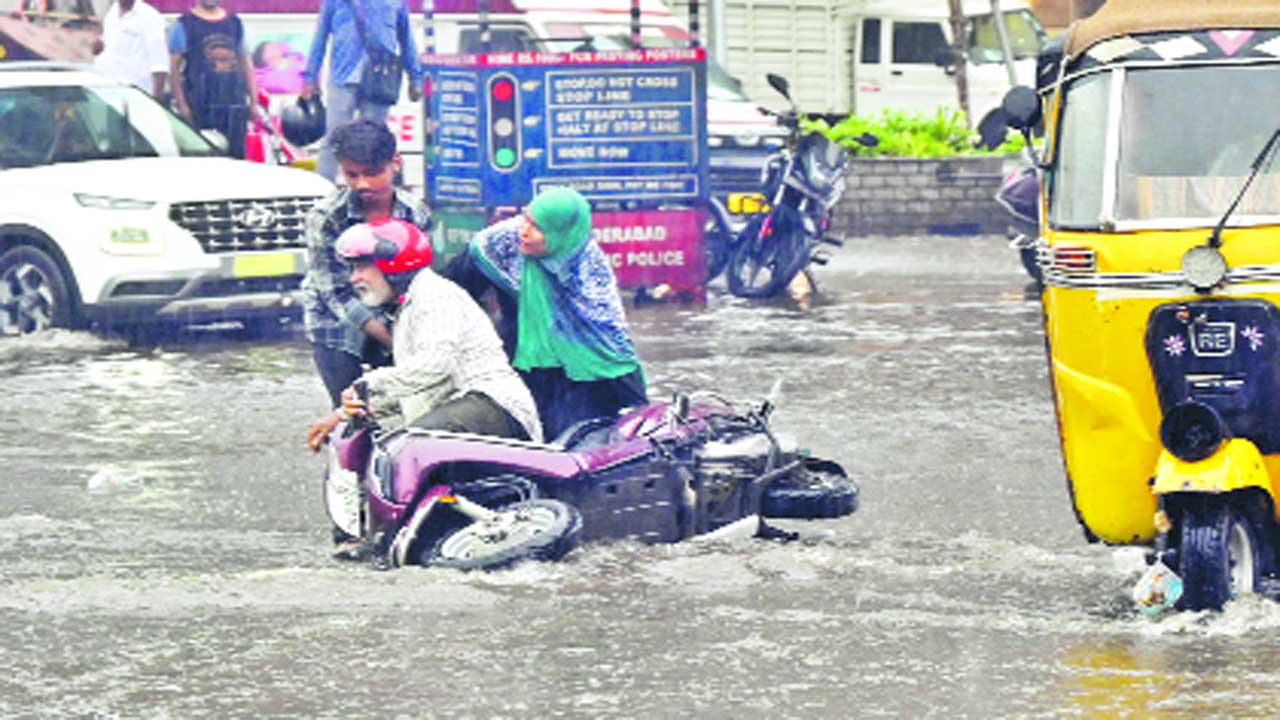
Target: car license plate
[264,265]
[747,203]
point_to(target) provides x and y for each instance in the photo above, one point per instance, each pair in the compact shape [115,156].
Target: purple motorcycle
[662,473]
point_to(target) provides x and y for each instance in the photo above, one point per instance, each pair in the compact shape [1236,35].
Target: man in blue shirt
[386,23]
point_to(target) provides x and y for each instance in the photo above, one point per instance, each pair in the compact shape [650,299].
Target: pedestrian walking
[213,86]
[372,47]
[131,47]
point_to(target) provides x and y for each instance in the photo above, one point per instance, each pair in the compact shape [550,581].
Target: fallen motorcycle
[662,473]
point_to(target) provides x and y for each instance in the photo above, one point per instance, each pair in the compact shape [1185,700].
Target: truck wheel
[34,294]
[817,490]
[1218,557]
[533,530]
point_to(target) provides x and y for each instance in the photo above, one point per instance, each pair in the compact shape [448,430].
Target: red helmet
[395,246]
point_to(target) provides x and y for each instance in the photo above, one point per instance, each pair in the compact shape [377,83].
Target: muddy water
[163,550]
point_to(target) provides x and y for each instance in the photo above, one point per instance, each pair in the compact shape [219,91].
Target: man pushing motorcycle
[450,371]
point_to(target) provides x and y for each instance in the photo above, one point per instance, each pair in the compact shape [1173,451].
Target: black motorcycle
[801,182]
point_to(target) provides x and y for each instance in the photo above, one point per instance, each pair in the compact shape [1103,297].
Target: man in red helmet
[450,371]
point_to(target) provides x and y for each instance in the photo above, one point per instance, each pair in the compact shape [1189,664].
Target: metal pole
[1005,49]
[957,36]
[428,126]
[635,23]
[693,24]
[429,18]
[486,38]
[718,41]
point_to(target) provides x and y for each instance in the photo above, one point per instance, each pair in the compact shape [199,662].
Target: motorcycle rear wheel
[540,529]
[1218,557]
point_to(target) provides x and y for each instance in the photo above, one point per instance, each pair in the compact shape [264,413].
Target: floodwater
[164,551]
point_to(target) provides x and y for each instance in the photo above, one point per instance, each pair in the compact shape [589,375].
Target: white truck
[863,56]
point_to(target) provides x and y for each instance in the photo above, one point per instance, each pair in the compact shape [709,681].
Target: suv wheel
[33,292]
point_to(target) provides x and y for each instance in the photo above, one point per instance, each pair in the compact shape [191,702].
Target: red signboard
[651,248]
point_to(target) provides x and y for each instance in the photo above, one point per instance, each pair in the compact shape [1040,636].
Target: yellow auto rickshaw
[1160,255]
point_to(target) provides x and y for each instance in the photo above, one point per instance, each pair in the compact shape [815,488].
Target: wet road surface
[165,550]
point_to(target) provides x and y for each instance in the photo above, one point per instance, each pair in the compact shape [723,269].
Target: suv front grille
[225,226]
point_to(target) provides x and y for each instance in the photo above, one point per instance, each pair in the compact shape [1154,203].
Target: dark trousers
[230,120]
[472,413]
[338,369]
[562,402]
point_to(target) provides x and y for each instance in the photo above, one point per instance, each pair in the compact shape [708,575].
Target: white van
[279,34]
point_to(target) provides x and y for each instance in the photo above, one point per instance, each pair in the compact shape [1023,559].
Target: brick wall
[910,196]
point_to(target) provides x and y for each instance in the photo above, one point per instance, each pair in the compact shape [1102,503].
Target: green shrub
[904,134]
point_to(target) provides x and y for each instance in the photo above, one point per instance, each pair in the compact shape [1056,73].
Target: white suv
[117,213]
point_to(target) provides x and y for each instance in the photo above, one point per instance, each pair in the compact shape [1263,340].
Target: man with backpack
[213,85]
[371,40]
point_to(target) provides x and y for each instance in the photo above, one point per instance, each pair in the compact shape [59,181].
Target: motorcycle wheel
[530,530]
[761,267]
[1218,557]
[717,241]
[819,489]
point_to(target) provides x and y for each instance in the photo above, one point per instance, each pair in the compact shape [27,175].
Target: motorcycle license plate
[1157,590]
[747,203]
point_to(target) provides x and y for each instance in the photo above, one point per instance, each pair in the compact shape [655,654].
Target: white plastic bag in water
[1157,590]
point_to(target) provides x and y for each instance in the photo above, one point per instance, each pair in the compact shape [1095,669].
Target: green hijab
[571,315]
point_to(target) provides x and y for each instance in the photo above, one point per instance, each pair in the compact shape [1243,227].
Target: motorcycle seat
[588,433]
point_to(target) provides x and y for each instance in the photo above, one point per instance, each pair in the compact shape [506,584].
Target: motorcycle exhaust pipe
[838,242]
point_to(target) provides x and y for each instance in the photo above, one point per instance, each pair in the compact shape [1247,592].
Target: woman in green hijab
[562,316]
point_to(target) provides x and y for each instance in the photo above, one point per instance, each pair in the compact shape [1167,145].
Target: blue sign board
[618,126]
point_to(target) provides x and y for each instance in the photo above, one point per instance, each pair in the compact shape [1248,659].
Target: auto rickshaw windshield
[1183,142]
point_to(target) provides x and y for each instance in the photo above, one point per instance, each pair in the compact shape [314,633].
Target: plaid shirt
[332,311]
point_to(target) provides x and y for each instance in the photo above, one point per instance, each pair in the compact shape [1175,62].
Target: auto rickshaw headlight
[1205,267]
[1192,431]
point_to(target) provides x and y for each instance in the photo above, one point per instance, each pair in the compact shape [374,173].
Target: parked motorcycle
[1019,195]
[801,183]
[663,473]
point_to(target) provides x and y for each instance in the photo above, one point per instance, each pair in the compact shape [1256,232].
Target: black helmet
[303,122]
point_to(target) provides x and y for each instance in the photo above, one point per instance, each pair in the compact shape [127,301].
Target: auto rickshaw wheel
[1218,557]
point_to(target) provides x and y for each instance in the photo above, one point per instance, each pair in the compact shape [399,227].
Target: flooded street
[166,553]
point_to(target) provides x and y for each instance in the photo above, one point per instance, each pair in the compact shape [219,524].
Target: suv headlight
[106,202]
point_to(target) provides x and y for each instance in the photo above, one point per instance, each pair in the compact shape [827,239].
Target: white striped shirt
[444,347]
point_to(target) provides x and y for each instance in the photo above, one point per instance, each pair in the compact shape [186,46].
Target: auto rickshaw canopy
[1128,17]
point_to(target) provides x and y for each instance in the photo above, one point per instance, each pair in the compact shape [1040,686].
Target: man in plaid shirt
[344,331]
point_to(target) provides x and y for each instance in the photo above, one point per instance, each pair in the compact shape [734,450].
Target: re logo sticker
[1214,339]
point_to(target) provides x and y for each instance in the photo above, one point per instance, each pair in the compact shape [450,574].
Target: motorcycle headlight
[1192,431]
